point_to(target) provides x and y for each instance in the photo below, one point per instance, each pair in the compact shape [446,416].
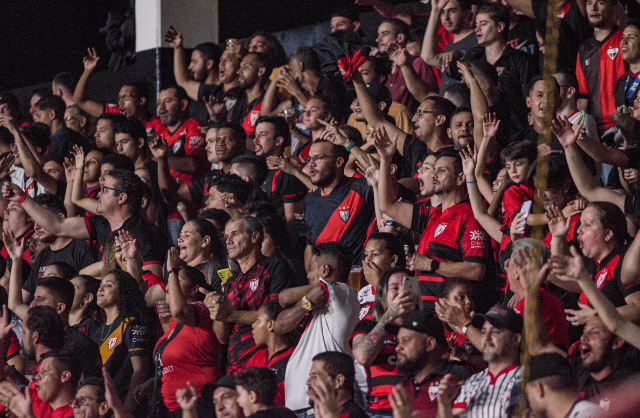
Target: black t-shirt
[574,28]
[281,188]
[78,254]
[624,88]
[414,152]
[351,410]
[464,45]
[147,237]
[523,36]
[230,97]
[274,412]
[199,186]
[85,350]
[332,89]
[63,140]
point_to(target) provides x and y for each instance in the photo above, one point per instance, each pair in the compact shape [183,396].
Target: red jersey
[278,363]
[553,316]
[42,409]
[382,374]
[184,141]
[24,241]
[598,68]
[154,122]
[608,277]
[188,354]
[512,201]
[450,236]
[367,300]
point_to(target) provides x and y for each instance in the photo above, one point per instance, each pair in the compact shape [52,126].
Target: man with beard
[457,18]
[253,75]
[330,384]
[341,209]
[74,252]
[461,128]
[487,392]
[221,99]
[421,343]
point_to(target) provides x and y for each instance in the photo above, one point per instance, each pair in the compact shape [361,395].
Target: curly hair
[130,299]
[110,263]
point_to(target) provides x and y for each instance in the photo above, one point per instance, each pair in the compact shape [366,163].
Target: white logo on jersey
[440,229]
[112,342]
[433,392]
[345,213]
[253,284]
[587,61]
[477,238]
[195,141]
[613,52]
[364,311]
[601,278]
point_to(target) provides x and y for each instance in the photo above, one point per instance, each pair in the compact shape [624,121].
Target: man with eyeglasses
[431,121]
[341,209]
[119,205]
[91,399]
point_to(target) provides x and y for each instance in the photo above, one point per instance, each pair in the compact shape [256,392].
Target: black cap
[379,92]
[423,322]
[549,364]
[9,98]
[349,12]
[227,381]
[500,316]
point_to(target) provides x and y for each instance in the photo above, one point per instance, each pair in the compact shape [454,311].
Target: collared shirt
[487,396]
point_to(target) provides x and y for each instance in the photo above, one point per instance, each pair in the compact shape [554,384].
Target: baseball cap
[228,381]
[9,98]
[500,316]
[422,322]
[379,92]
[349,12]
[549,364]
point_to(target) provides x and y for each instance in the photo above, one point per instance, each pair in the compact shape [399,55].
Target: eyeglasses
[108,188]
[124,97]
[68,119]
[81,400]
[420,113]
[317,158]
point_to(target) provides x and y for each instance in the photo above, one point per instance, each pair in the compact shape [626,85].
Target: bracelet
[472,182]
[351,145]
[23,197]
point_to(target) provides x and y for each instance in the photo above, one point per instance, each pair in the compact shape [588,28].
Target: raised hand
[173,259]
[399,57]
[90,60]
[187,397]
[7,122]
[12,191]
[372,172]
[333,134]
[558,224]
[532,275]
[21,405]
[129,245]
[69,165]
[469,163]
[5,323]
[173,38]
[111,392]
[446,58]
[490,125]
[464,70]
[574,207]
[453,315]
[217,110]
[401,403]
[565,132]
[14,247]
[324,397]
[569,268]
[78,154]
[403,304]
[385,146]
[517,225]
[287,82]
[447,389]
[5,165]
[158,147]
[580,316]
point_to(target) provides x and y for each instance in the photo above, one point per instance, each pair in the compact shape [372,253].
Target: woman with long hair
[603,241]
[125,336]
[374,347]
[85,307]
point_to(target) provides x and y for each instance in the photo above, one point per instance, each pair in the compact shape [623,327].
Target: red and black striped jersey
[451,236]
[342,216]
[247,292]
[608,277]
[382,374]
[598,68]
[367,300]
[277,362]
[185,141]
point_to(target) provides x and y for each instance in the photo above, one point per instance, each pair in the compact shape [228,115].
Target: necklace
[103,327]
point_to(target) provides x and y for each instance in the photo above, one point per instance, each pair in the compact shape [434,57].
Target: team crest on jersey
[176,145]
[500,70]
[587,61]
[253,284]
[440,229]
[229,103]
[601,278]
[433,392]
[254,117]
[345,213]
[112,342]
[364,311]
[613,52]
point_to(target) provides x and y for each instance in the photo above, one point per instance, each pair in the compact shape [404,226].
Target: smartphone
[389,222]
[411,284]
[526,208]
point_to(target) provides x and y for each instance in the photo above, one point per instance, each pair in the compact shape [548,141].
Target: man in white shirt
[331,309]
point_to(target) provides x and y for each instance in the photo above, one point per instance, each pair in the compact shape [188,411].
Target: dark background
[41,39]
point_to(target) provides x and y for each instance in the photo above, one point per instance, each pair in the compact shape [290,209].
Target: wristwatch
[306,304]
[175,270]
[465,328]
[435,265]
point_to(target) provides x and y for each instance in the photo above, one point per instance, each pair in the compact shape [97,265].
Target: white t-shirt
[585,409]
[18,178]
[329,330]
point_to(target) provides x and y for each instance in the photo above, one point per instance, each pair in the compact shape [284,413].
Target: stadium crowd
[342,233]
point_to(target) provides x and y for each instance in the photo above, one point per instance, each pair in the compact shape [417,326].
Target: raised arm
[387,10]
[416,85]
[430,52]
[80,95]
[78,186]
[180,70]
[64,227]
[15,250]
[400,212]
[630,265]
[181,310]
[602,154]
[270,105]
[489,223]
[523,6]
[70,174]
[166,182]
[489,127]
[586,183]
[373,114]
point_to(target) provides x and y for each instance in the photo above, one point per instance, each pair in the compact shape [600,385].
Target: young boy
[277,351]
[257,388]
[517,158]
